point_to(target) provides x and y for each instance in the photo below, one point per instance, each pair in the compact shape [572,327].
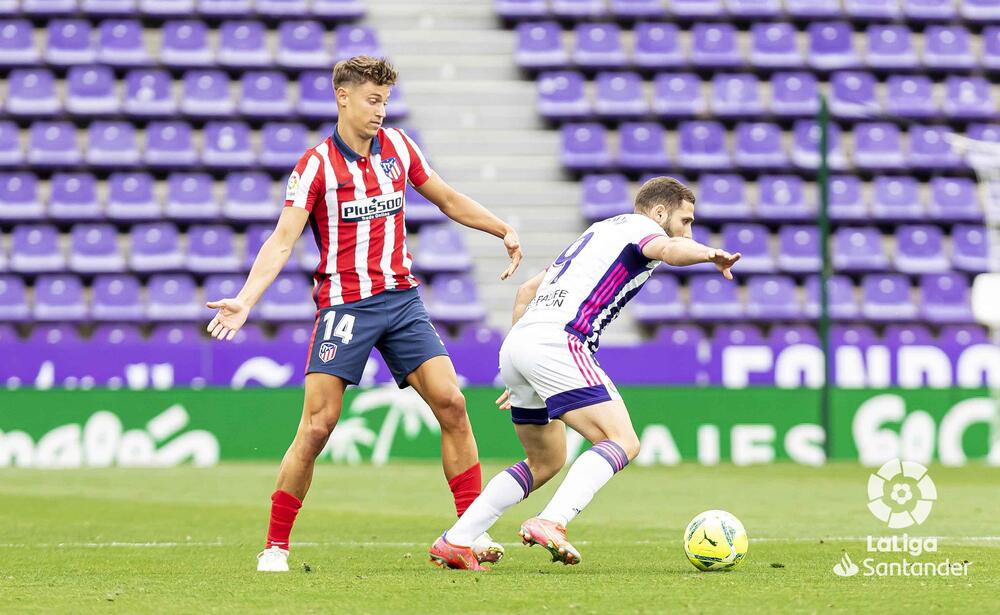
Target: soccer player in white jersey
[547,363]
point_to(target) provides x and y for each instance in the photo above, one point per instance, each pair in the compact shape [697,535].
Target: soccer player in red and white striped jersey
[350,189]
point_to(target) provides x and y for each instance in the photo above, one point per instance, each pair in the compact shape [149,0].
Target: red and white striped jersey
[356,207]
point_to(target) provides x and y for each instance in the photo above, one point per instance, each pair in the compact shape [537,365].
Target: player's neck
[358,143]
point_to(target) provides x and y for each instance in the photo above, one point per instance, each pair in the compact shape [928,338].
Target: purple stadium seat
[243,44]
[172,298]
[713,298]
[155,247]
[206,94]
[948,47]
[969,248]
[13,299]
[308,254]
[782,198]
[316,99]
[264,94]
[847,203]
[774,45]
[754,9]
[697,8]
[112,144]
[117,334]
[620,95]
[642,146]
[94,249]
[678,95]
[169,144]
[35,249]
[68,42]
[857,249]
[148,94]
[896,199]
[908,335]
[759,145]
[772,297]
[288,299]
[454,300]
[657,45]
[929,10]
[637,9]
[930,149]
[301,45]
[19,200]
[338,9]
[789,335]
[962,335]
[249,197]
[794,94]
[598,46]
[852,94]
[167,8]
[920,249]
[281,144]
[225,8]
[945,298]
[355,40]
[282,8]
[980,10]
[131,198]
[90,90]
[737,335]
[853,335]
[17,45]
[190,198]
[991,47]
[812,9]
[831,45]
[419,210]
[878,146]
[969,97]
[752,241]
[702,146]
[735,95]
[578,9]
[605,196]
[798,249]
[442,249]
[518,10]
[219,286]
[585,147]
[658,301]
[59,298]
[886,298]
[872,9]
[715,45]
[540,46]
[185,44]
[890,47]
[53,144]
[121,43]
[910,96]
[227,145]
[984,132]
[74,198]
[211,249]
[293,333]
[31,92]
[54,335]
[723,198]
[192,334]
[561,96]
[805,146]
[954,199]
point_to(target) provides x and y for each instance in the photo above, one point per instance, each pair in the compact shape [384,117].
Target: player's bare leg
[321,408]
[608,426]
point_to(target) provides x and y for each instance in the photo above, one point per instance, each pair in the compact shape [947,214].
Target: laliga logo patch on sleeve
[293,185]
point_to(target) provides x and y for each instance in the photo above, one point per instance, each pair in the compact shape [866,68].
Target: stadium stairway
[476,115]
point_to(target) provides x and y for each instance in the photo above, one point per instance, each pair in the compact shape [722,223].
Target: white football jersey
[585,288]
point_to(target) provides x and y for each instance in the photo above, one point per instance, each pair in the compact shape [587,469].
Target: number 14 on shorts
[344,330]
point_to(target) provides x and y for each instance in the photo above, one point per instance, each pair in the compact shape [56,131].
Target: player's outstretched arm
[270,259]
[467,211]
[681,252]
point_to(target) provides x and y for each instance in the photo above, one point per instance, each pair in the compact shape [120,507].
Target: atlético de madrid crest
[327,350]
[391,168]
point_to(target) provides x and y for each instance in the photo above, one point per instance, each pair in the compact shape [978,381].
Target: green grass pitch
[183,541]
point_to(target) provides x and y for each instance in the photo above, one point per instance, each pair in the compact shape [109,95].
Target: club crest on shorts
[327,350]
[391,168]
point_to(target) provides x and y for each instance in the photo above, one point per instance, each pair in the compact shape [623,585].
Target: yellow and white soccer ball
[715,540]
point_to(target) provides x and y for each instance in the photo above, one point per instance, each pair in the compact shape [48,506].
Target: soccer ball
[715,540]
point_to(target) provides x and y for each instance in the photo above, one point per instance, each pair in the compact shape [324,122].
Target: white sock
[503,491]
[586,476]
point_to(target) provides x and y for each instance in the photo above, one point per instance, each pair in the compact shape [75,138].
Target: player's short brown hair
[665,191]
[363,69]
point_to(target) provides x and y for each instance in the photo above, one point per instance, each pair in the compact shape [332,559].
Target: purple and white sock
[503,491]
[591,471]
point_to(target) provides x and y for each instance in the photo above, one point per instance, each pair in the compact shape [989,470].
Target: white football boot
[487,550]
[274,559]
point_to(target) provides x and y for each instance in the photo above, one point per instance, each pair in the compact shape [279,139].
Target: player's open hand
[503,402]
[723,261]
[231,316]
[513,245]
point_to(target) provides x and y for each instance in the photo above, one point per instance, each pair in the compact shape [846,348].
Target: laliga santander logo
[901,493]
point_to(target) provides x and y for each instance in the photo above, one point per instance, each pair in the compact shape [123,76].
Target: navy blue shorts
[393,321]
